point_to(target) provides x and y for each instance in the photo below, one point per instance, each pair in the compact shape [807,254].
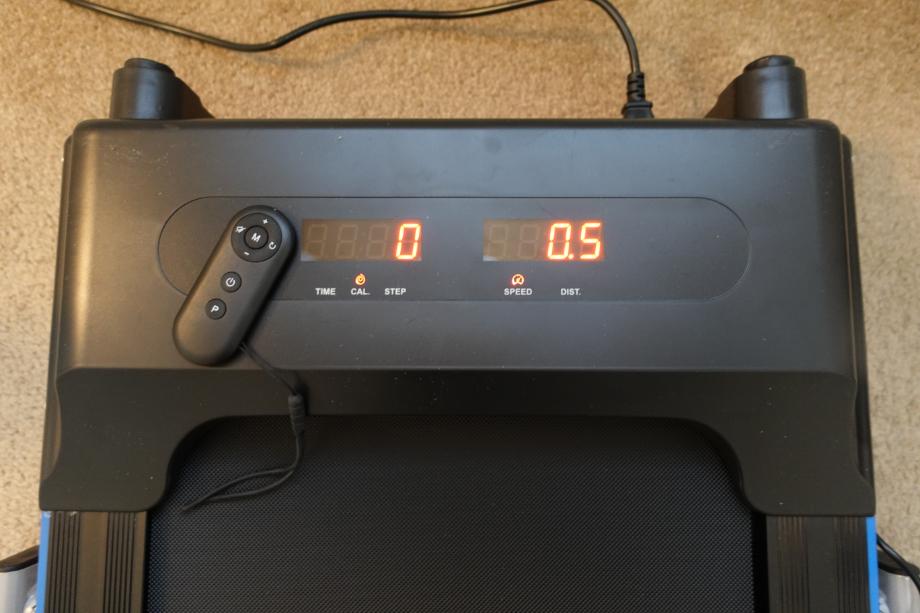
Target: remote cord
[297,412]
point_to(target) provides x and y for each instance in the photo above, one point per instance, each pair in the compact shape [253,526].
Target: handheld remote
[233,286]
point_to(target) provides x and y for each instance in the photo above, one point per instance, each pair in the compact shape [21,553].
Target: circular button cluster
[256,237]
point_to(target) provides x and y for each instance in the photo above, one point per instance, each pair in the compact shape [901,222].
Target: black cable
[636,105]
[905,566]
[297,412]
[285,473]
[323,22]
[270,370]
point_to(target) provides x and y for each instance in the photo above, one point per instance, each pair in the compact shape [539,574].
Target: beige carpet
[562,60]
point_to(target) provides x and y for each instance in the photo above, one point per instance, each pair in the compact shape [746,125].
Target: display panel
[550,240]
[362,240]
[520,249]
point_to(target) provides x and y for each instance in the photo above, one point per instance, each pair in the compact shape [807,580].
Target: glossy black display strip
[361,240]
[543,240]
[653,249]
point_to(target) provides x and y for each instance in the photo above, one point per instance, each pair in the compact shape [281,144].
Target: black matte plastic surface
[767,367]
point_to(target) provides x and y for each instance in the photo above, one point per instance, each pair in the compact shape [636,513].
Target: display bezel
[556,240]
[354,240]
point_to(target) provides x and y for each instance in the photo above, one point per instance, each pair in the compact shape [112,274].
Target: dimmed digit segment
[362,240]
[542,240]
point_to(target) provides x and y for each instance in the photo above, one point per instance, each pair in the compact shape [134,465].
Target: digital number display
[548,240]
[362,240]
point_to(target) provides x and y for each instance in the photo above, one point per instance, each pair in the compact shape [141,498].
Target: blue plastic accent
[43,536]
[873,565]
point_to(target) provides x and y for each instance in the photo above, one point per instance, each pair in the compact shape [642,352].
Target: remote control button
[230,282]
[244,231]
[256,237]
[216,308]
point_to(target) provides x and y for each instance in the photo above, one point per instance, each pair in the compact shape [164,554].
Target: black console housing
[763,358]
[781,335]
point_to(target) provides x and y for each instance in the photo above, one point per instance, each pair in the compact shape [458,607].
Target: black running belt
[456,514]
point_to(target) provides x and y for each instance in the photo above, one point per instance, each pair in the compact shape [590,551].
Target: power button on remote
[230,282]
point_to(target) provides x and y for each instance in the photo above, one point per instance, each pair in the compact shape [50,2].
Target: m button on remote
[256,237]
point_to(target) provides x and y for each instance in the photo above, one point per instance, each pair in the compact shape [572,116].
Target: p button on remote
[216,308]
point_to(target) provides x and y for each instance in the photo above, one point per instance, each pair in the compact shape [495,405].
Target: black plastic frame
[768,370]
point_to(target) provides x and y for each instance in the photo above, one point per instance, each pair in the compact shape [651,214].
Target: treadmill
[520,366]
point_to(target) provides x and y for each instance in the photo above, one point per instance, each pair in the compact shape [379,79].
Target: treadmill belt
[455,514]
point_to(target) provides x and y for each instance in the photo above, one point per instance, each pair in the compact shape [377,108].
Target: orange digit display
[559,248]
[548,240]
[408,241]
[594,242]
[362,240]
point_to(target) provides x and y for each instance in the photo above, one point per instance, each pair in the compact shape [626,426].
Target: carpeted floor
[561,60]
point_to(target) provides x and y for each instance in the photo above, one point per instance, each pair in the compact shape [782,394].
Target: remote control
[233,285]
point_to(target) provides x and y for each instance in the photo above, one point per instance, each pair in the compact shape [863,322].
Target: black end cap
[145,89]
[771,87]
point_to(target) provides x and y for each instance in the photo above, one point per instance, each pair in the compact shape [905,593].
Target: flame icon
[517,279]
[360,279]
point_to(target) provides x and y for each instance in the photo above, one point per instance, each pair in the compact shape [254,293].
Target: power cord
[900,561]
[298,414]
[636,107]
